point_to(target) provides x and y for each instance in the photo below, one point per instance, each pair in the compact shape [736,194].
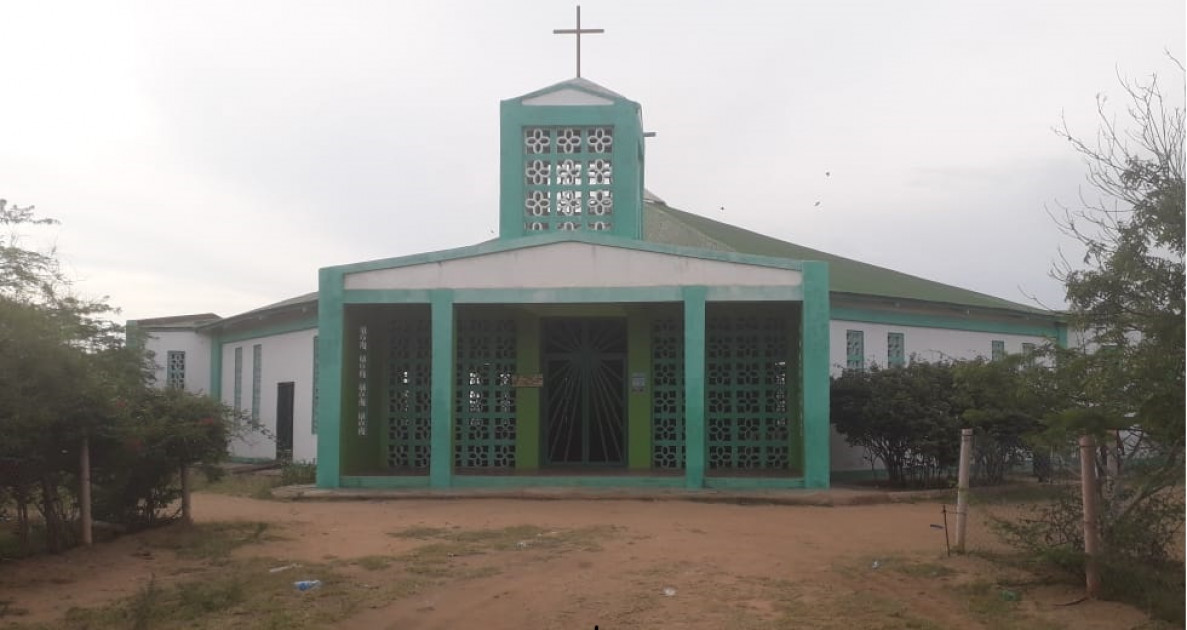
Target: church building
[603,339]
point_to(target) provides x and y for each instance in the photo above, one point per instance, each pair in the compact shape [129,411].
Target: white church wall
[925,344]
[283,358]
[197,356]
[565,265]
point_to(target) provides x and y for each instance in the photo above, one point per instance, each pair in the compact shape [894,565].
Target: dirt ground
[648,564]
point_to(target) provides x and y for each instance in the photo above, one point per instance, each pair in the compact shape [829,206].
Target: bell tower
[571,159]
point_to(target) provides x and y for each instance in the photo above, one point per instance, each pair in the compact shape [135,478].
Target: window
[313,414]
[238,380]
[855,350]
[895,352]
[998,349]
[568,178]
[1028,349]
[175,369]
[257,373]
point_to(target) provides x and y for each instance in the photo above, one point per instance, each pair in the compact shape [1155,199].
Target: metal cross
[577,31]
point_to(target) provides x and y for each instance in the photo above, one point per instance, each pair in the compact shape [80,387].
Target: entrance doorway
[284,421]
[585,390]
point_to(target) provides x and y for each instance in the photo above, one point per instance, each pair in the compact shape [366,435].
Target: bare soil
[647,564]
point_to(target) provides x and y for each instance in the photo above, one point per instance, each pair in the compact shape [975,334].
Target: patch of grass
[373,563]
[208,541]
[240,594]
[1015,493]
[437,558]
[298,473]
[922,569]
[242,485]
[468,542]
[998,606]
[420,532]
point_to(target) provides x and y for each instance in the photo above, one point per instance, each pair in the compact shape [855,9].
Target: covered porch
[629,366]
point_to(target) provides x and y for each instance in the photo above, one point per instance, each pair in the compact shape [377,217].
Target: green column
[694,387]
[441,457]
[795,420]
[329,378]
[814,344]
[1061,334]
[527,399]
[639,403]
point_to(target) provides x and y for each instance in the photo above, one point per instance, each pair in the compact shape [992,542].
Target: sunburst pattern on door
[585,391]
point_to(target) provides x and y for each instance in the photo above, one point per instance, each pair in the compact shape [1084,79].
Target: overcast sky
[211,156]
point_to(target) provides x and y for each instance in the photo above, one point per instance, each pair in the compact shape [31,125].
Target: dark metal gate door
[585,391]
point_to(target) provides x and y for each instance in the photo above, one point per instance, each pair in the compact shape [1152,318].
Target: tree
[68,379]
[904,417]
[1129,297]
[1124,381]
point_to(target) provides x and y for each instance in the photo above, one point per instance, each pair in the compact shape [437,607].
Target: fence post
[1088,493]
[962,488]
[84,491]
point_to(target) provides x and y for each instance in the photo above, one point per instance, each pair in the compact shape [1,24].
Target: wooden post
[1088,492]
[187,516]
[962,488]
[84,491]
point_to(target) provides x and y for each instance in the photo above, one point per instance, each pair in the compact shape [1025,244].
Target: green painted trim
[527,399]
[575,295]
[815,370]
[307,322]
[441,455]
[695,445]
[795,401]
[579,481]
[788,293]
[638,403]
[387,296]
[754,483]
[368,482]
[589,238]
[329,377]
[870,316]
[1061,335]
[569,295]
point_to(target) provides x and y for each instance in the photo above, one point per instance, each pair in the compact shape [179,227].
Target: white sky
[211,156]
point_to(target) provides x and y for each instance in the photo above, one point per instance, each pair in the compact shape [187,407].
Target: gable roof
[665,224]
[578,83]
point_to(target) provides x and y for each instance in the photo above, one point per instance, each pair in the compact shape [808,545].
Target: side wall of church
[924,344]
[197,357]
[286,358]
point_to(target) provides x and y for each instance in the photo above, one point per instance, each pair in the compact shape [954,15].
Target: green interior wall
[360,454]
[527,399]
[639,402]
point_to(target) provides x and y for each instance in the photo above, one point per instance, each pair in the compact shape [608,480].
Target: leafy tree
[904,417]
[1003,407]
[1124,381]
[66,378]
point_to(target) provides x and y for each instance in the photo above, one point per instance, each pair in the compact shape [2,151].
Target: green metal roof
[664,224]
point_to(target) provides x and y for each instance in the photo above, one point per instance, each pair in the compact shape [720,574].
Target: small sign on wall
[638,382]
[528,380]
